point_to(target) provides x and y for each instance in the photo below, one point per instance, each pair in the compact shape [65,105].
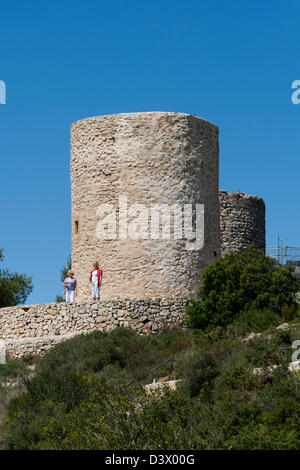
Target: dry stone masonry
[32,329]
[242,222]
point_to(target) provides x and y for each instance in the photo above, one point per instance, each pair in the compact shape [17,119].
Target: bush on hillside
[221,404]
[198,369]
[241,282]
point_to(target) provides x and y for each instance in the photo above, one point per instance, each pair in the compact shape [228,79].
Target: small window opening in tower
[76,226]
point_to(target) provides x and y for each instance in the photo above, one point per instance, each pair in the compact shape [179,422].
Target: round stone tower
[242,222]
[145,203]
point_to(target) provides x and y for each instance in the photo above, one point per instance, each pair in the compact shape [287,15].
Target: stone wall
[147,158]
[32,329]
[242,221]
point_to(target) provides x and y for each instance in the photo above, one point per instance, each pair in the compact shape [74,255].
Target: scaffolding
[284,254]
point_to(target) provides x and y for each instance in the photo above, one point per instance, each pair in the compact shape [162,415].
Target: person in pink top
[96,278]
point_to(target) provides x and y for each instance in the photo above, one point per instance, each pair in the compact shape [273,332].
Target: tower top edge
[140,114]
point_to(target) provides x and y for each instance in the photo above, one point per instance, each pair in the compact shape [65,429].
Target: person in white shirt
[96,278]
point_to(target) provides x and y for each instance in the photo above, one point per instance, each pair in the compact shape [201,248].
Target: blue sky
[231,62]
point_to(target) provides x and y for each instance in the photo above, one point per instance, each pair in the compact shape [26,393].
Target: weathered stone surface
[151,158]
[2,352]
[242,222]
[32,333]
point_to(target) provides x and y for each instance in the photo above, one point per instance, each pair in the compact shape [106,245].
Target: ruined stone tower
[127,164]
[242,222]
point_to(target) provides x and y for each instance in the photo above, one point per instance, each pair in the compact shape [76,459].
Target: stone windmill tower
[137,179]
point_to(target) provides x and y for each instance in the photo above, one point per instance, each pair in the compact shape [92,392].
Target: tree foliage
[63,274]
[14,287]
[241,282]
[65,269]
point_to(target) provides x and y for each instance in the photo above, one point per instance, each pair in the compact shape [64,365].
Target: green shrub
[89,352]
[288,312]
[122,420]
[28,412]
[257,320]
[133,352]
[12,369]
[240,282]
[197,369]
